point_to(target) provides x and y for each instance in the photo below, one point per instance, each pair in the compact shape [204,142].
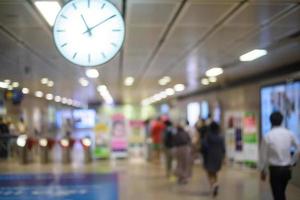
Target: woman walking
[213,150]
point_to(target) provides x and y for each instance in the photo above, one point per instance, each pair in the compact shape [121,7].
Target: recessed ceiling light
[15,84]
[49,97]
[69,102]
[49,10]
[92,73]
[44,81]
[163,95]
[179,87]
[57,99]
[205,81]
[164,81]
[64,100]
[215,71]
[83,82]
[7,81]
[252,55]
[212,79]
[25,90]
[39,94]
[129,81]
[50,84]
[170,91]
[9,87]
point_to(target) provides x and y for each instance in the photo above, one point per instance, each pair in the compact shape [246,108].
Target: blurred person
[276,154]
[21,126]
[213,151]
[168,142]
[11,127]
[193,145]
[148,139]
[67,128]
[4,129]
[157,129]
[182,142]
[202,128]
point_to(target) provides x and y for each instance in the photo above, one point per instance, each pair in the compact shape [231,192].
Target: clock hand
[90,29]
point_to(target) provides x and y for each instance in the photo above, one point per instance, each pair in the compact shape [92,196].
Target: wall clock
[89,32]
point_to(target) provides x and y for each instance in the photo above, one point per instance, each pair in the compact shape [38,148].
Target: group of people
[182,143]
[7,127]
[278,153]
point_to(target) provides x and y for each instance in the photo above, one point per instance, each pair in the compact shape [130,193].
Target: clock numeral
[103,6]
[75,54]
[60,31]
[63,45]
[74,6]
[103,55]
[89,58]
[116,30]
[113,44]
[64,17]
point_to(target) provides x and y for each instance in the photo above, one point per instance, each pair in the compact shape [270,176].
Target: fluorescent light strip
[49,10]
[252,55]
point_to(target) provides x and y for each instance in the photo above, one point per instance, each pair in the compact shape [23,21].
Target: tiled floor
[141,180]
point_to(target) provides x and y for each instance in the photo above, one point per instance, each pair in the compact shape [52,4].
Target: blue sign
[59,187]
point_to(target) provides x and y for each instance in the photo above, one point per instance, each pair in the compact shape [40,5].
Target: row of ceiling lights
[211,77]
[211,74]
[163,94]
[46,81]
[7,84]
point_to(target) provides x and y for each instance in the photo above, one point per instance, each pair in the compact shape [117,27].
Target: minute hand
[100,23]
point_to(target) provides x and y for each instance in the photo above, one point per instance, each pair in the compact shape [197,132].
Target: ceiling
[178,38]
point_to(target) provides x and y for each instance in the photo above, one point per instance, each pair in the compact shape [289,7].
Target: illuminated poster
[119,136]
[137,139]
[101,147]
[234,135]
[241,136]
[250,138]
[84,118]
[284,98]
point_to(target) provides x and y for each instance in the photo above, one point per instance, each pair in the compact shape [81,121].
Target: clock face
[89,32]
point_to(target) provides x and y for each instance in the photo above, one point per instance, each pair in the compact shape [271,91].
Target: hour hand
[87,27]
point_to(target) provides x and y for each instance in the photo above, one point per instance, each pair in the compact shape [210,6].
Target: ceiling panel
[143,13]
[203,14]
[256,14]
[199,38]
[15,14]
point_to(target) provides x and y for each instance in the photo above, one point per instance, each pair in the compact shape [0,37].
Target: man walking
[276,153]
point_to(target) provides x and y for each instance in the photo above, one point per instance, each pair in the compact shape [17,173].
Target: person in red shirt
[157,129]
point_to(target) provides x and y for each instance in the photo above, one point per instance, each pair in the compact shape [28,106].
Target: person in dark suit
[213,151]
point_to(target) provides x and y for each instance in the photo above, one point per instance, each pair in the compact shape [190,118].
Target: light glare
[25,90]
[49,10]
[129,81]
[179,87]
[252,55]
[92,73]
[215,71]
[39,94]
